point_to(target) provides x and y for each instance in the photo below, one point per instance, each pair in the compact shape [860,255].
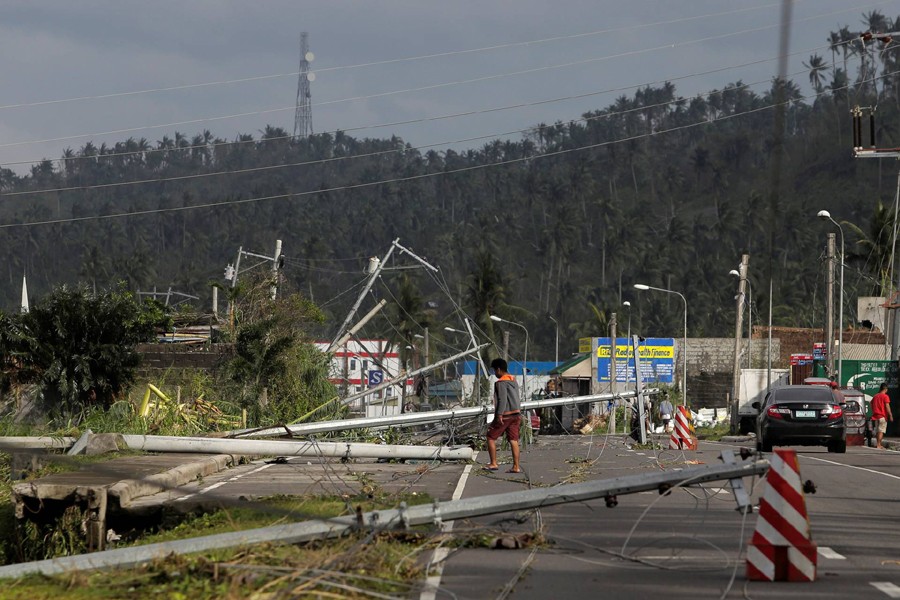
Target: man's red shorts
[510,426]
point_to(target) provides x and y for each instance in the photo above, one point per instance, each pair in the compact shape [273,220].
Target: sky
[55,51]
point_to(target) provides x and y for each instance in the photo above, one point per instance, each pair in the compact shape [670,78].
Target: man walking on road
[507,416]
[881,414]
[666,410]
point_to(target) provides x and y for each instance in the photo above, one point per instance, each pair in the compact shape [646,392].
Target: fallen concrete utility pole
[8,443]
[352,331]
[434,416]
[162,443]
[396,518]
[375,272]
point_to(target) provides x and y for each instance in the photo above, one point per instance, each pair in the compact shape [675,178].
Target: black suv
[804,415]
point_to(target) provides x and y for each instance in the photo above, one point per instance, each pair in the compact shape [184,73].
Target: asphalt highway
[688,544]
[691,543]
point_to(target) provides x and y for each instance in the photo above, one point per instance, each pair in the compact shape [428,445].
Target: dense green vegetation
[75,353]
[77,347]
[653,188]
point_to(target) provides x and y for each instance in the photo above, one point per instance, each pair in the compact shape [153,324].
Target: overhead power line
[466,113]
[399,60]
[412,89]
[493,135]
[423,176]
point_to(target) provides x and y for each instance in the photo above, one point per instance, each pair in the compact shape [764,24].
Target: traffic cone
[683,437]
[781,548]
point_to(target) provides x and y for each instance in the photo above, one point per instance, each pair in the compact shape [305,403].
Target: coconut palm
[816,66]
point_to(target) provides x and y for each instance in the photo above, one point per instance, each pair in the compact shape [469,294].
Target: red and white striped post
[683,437]
[781,548]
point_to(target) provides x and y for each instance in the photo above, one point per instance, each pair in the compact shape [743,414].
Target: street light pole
[643,288]
[627,305]
[557,339]
[824,214]
[525,364]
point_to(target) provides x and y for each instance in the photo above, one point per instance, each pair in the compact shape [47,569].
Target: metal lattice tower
[303,114]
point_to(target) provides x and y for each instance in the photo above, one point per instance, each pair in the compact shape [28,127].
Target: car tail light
[778,412]
[833,411]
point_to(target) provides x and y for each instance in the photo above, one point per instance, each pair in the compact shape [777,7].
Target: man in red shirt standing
[881,413]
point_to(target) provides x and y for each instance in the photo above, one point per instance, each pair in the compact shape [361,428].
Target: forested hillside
[654,188]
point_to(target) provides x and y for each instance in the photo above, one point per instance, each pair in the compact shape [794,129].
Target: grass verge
[349,567]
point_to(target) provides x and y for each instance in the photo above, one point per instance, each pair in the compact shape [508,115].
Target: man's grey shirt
[506,393]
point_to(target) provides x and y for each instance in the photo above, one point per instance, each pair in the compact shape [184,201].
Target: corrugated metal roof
[575,360]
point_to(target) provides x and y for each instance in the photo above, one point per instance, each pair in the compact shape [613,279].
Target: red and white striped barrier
[781,548]
[683,437]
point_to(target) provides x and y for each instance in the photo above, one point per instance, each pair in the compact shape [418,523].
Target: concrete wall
[182,356]
[716,355]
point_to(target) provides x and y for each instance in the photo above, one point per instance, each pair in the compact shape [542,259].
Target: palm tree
[816,65]
[876,246]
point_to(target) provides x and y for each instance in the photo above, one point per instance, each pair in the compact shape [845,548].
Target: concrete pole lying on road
[393,519]
[434,416]
[162,443]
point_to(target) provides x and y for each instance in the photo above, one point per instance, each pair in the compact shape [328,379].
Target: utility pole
[613,370]
[639,388]
[234,277]
[506,346]
[738,327]
[303,111]
[829,301]
[426,374]
[277,261]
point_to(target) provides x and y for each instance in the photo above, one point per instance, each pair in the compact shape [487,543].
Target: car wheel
[838,446]
[766,445]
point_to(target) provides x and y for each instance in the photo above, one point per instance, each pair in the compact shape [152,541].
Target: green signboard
[868,375]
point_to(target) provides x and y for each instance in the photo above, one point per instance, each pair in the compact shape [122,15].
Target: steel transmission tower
[303,113]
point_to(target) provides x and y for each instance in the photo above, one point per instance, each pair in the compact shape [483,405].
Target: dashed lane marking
[221,483]
[827,552]
[886,587]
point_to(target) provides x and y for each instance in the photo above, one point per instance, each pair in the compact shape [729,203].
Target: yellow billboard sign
[645,352]
[584,344]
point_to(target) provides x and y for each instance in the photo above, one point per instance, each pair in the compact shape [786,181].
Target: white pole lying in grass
[436,513]
[8,443]
[161,443]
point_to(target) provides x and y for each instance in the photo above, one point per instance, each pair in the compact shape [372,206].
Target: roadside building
[359,365]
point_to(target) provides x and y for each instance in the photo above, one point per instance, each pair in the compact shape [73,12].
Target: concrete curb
[123,493]
[737,438]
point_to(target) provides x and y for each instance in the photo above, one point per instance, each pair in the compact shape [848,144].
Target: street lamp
[749,318]
[627,305]
[557,339]
[525,364]
[644,288]
[825,215]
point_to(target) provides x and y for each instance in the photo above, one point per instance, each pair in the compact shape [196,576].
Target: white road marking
[831,462]
[827,552]
[433,581]
[887,587]
[221,483]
